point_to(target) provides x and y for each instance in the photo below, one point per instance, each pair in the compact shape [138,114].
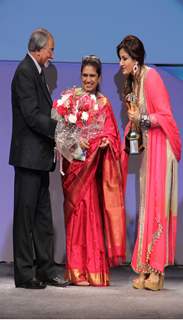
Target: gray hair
[38,39]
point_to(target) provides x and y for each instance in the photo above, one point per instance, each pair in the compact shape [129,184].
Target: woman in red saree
[93,196]
[155,243]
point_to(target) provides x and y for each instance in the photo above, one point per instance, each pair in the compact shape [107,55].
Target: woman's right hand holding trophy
[133,139]
[132,108]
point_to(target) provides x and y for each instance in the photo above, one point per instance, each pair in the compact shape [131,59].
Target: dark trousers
[32,227]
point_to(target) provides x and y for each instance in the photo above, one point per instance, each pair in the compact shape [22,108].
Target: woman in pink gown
[93,195]
[150,110]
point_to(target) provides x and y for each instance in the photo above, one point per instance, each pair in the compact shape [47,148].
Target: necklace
[137,83]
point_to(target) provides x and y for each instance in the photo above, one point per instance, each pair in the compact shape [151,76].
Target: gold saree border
[94,279]
[113,202]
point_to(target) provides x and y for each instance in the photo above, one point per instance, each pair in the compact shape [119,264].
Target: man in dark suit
[32,155]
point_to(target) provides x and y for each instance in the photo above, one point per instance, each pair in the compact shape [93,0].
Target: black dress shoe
[57,282]
[32,284]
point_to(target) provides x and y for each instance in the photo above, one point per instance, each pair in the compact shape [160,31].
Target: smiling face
[126,62]
[90,79]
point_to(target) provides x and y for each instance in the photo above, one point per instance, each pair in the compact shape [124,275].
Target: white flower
[93,97]
[77,105]
[84,116]
[72,118]
[59,102]
[63,99]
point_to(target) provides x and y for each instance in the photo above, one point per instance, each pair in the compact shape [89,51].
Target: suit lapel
[38,76]
[44,88]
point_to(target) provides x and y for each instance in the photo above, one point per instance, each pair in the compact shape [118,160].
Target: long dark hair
[95,62]
[135,48]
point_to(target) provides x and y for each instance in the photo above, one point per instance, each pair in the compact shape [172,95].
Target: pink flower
[54,104]
[76,107]
[62,111]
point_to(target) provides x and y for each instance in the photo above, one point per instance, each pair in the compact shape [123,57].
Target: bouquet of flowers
[79,116]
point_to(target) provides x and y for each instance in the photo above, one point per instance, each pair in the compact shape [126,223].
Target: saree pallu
[94,210]
[155,243]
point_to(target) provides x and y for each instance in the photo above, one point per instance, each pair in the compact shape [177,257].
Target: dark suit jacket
[32,144]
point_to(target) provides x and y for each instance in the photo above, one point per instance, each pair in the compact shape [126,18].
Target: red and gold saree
[94,207]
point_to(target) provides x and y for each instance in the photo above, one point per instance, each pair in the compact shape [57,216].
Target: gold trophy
[133,140]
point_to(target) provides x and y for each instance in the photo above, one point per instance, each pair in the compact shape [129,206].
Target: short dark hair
[134,47]
[38,39]
[93,61]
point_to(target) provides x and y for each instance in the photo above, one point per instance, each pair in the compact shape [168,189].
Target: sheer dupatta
[155,244]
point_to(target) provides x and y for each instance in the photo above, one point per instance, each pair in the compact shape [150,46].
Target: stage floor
[118,301]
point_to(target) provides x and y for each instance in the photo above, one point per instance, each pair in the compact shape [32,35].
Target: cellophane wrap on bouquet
[79,117]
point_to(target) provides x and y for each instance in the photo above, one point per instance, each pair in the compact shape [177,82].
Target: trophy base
[134,143]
